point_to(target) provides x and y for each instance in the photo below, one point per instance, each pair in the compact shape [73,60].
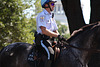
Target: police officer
[46,26]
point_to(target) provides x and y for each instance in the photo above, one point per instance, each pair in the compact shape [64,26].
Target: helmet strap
[48,7]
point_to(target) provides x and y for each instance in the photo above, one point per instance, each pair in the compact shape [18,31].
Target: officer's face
[52,5]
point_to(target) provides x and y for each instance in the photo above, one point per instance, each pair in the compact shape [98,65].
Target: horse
[75,52]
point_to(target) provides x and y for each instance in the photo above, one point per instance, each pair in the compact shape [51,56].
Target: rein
[85,49]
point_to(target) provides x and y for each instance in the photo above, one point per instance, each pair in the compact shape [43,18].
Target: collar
[46,12]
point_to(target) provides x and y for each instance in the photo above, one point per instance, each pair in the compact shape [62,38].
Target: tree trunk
[73,12]
[95,11]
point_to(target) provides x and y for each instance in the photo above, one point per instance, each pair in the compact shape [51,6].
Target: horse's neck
[80,54]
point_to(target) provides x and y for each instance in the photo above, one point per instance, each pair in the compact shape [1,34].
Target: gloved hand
[61,38]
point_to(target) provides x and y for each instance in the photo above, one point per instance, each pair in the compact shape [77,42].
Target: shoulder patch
[42,18]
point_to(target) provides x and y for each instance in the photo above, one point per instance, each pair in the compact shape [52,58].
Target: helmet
[43,2]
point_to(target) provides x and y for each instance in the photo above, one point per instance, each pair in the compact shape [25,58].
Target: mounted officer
[47,28]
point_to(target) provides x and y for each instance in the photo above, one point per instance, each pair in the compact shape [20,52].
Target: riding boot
[48,63]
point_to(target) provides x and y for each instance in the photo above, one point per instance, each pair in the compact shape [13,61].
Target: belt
[43,37]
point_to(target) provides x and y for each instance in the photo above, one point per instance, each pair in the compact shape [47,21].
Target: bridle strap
[85,49]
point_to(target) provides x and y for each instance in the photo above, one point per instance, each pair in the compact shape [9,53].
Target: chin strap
[48,7]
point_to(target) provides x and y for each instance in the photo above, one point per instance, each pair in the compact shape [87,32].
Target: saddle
[34,57]
[38,55]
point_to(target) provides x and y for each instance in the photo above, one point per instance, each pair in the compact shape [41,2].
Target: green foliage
[38,7]
[27,32]
[62,29]
[14,26]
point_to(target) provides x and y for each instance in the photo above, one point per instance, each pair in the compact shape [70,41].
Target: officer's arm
[48,32]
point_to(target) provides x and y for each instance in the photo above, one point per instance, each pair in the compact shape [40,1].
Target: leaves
[14,26]
[38,7]
[62,30]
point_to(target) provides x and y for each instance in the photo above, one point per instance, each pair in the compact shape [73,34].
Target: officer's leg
[48,45]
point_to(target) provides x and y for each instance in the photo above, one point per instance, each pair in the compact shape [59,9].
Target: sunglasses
[52,4]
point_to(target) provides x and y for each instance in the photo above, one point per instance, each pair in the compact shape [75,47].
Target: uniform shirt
[45,19]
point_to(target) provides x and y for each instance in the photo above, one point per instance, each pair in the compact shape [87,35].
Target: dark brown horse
[76,51]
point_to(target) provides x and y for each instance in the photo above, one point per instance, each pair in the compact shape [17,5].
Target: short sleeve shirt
[45,19]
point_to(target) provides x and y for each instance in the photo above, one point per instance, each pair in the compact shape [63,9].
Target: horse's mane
[83,29]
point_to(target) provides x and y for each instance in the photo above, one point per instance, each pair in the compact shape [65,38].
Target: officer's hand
[60,38]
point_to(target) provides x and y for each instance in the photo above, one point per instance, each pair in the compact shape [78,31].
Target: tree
[13,22]
[95,11]
[62,29]
[73,12]
[38,7]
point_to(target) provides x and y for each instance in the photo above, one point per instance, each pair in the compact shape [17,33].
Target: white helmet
[43,2]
